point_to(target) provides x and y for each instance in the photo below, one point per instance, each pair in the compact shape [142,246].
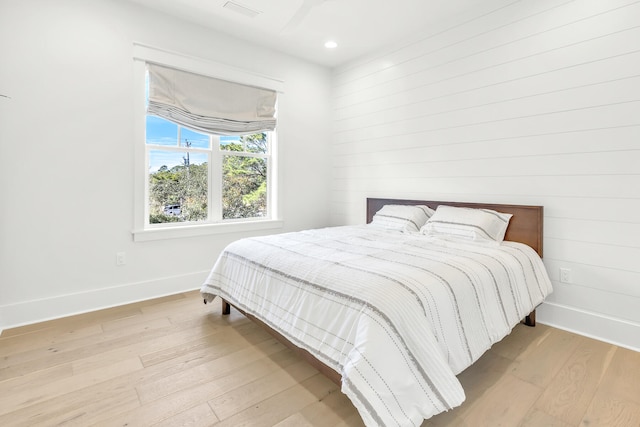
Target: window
[199,178]
[206,157]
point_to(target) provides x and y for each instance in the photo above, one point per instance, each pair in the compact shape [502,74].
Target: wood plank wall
[532,102]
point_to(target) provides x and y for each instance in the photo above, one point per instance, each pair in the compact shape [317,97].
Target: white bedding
[398,315]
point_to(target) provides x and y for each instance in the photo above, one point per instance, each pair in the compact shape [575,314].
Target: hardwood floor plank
[540,366]
[284,404]
[184,362]
[216,344]
[15,397]
[162,337]
[335,410]
[161,410]
[571,391]
[504,404]
[198,416]
[215,369]
[475,380]
[12,390]
[84,319]
[155,341]
[304,419]
[623,376]
[520,341]
[608,410]
[164,408]
[183,302]
[75,408]
[49,337]
[138,323]
[447,419]
[295,420]
[253,392]
[185,399]
[537,418]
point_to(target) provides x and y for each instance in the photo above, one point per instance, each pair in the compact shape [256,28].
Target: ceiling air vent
[241,9]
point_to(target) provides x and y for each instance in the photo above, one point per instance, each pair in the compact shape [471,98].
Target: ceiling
[358,26]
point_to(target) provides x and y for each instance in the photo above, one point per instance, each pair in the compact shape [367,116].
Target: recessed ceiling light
[331,44]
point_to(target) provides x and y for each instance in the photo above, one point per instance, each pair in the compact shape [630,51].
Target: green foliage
[244,193]
[256,143]
[185,186]
[160,218]
[244,184]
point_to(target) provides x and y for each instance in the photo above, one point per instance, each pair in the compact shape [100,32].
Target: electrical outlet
[565,275]
[121,258]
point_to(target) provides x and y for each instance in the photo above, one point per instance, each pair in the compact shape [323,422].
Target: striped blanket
[398,315]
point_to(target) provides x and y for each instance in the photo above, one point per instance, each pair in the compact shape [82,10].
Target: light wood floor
[174,361]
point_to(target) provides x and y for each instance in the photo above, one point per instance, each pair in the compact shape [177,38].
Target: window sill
[177,232]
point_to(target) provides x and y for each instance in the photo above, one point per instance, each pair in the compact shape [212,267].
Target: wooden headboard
[525,226]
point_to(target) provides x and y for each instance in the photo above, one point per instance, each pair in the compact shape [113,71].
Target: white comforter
[397,315]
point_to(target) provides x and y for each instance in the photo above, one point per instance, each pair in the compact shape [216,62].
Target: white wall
[529,102]
[67,155]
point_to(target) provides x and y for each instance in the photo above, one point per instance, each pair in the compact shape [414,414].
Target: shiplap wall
[527,102]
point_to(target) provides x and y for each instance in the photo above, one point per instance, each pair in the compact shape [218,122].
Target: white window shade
[208,104]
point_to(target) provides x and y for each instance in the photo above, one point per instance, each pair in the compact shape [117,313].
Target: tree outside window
[194,177]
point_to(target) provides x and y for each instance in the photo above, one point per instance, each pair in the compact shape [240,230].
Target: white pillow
[467,223]
[402,217]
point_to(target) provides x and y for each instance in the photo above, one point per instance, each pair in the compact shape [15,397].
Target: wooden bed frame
[525,227]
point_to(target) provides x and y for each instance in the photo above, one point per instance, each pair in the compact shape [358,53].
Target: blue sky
[163,132]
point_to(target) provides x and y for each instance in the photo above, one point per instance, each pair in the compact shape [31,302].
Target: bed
[390,313]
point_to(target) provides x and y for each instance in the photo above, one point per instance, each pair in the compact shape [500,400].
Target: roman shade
[209,105]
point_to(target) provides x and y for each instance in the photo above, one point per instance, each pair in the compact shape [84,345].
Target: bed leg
[530,320]
[226,307]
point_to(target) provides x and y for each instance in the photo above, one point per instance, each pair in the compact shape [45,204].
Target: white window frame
[143,231]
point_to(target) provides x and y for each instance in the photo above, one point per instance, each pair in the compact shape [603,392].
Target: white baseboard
[620,332]
[40,310]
